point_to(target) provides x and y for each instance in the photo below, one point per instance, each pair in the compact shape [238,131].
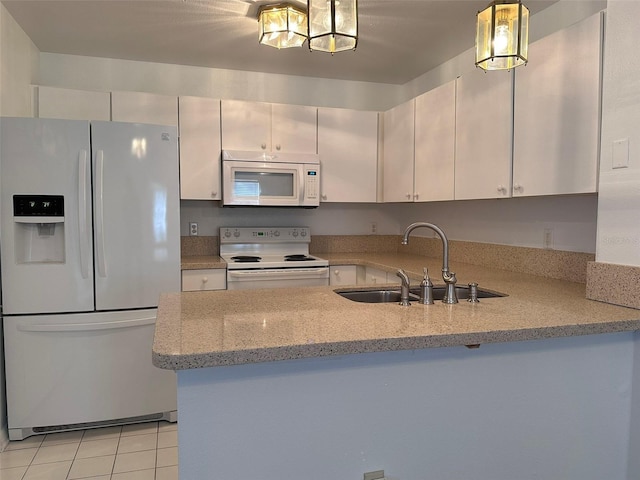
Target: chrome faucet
[404,288]
[448,277]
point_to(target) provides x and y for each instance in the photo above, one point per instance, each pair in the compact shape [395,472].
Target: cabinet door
[435,128]
[484,134]
[398,153]
[343,275]
[294,128]
[557,114]
[140,107]
[72,104]
[246,125]
[199,148]
[348,149]
[374,276]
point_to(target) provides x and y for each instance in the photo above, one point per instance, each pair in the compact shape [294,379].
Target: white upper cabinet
[484,134]
[268,127]
[69,104]
[348,149]
[199,148]
[399,153]
[294,128]
[141,107]
[435,137]
[557,113]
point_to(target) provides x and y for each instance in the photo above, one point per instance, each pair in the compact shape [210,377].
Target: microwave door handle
[301,184]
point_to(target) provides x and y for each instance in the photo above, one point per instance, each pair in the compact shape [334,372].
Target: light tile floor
[146,451]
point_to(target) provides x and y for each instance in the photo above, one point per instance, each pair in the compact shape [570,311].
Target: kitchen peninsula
[303,383]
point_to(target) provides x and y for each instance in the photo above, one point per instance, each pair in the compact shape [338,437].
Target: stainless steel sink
[375,296]
[392,294]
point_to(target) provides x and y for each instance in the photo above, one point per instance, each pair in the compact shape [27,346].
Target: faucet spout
[448,277]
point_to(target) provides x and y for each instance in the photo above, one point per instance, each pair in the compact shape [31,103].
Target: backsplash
[557,264]
[611,283]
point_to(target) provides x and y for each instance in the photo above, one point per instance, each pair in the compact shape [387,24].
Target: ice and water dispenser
[39,228]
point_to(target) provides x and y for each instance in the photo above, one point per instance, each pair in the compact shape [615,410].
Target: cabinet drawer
[211,279]
[343,275]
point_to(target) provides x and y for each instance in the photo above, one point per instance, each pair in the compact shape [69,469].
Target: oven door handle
[277,272]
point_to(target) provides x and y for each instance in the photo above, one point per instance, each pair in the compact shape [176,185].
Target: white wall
[513,221]
[545,409]
[107,74]
[618,239]
[18,69]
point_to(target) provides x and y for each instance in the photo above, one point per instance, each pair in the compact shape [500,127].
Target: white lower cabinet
[206,279]
[343,275]
[375,276]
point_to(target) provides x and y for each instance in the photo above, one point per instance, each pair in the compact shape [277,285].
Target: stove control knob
[303,233]
[276,233]
[236,234]
[295,233]
[227,234]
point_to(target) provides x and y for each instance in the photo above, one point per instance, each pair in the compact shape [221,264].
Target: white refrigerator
[89,238]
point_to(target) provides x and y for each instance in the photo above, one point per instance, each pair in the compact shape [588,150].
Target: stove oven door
[277,278]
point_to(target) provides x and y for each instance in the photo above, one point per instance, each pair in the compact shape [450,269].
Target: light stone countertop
[197,262]
[215,328]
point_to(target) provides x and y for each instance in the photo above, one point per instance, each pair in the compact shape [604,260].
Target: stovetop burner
[298,258]
[246,258]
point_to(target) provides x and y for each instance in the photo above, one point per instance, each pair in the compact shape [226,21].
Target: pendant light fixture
[333,25]
[282,26]
[502,35]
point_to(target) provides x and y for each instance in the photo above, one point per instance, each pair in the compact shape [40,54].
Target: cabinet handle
[336,272]
[408,196]
[205,279]
[517,187]
[324,196]
[264,146]
[502,189]
[277,147]
[213,194]
[416,196]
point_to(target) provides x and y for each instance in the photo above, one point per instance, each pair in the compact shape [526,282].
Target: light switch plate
[620,153]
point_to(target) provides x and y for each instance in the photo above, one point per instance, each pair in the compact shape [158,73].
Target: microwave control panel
[311,181]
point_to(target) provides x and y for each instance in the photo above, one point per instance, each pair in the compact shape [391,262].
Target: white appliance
[89,239]
[270,179]
[272,257]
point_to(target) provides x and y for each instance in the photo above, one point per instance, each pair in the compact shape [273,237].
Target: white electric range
[273,257]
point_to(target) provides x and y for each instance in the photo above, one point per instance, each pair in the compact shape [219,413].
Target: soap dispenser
[426,289]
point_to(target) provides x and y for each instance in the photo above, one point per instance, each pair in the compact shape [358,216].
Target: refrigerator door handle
[82,214]
[99,191]
[85,327]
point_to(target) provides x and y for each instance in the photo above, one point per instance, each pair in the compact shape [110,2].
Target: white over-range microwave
[270,179]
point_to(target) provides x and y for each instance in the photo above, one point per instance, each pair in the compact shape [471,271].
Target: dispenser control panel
[38,205]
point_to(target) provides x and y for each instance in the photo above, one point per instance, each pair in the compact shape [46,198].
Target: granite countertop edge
[471,340]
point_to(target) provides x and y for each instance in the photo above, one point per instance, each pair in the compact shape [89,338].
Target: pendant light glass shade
[282,26]
[502,35]
[333,25]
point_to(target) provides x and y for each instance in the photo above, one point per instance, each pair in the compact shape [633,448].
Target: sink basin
[392,294]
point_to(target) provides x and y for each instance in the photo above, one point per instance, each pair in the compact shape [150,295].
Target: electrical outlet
[547,241]
[373,227]
[193,229]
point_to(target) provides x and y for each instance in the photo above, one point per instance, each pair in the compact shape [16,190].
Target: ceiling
[398,39]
